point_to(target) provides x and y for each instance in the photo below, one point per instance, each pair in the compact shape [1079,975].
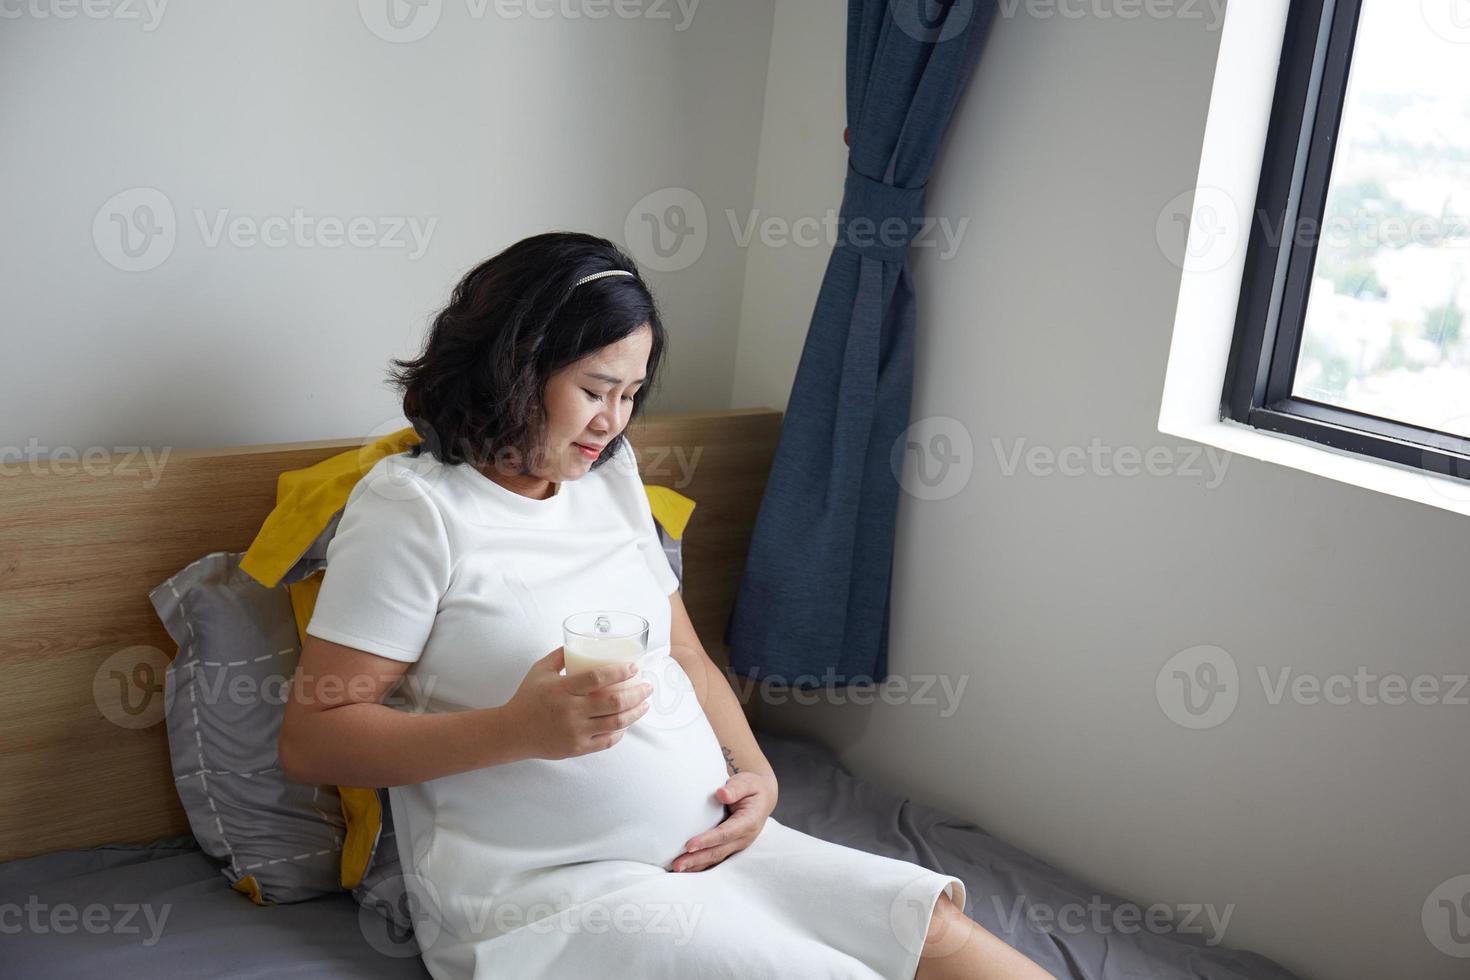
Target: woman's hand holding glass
[560,716]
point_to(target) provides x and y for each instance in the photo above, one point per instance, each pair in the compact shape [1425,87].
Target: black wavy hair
[477,392]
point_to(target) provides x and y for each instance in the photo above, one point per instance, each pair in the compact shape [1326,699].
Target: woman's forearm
[365,744]
[721,706]
[726,716]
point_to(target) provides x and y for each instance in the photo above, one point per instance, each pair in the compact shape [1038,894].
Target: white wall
[803,162]
[1326,826]
[489,127]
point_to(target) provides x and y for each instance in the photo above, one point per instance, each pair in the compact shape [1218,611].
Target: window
[1351,327]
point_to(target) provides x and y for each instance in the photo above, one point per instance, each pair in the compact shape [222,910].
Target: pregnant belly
[640,800]
[647,795]
[515,843]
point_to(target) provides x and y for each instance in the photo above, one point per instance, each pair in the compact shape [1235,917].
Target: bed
[99,874]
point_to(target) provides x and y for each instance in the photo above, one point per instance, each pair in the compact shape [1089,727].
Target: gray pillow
[224,695]
[672,551]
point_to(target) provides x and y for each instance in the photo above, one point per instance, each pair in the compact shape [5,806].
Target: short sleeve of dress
[387,568]
[648,540]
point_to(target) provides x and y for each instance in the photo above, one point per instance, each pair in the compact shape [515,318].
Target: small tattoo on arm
[730,759]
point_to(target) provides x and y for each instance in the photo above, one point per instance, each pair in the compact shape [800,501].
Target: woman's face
[588,404]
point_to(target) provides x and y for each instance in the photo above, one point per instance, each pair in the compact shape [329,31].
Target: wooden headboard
[82,544]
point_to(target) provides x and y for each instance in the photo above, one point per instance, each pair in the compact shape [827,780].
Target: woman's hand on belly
[750,797]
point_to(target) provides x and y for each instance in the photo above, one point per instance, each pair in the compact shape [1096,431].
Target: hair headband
[599,275]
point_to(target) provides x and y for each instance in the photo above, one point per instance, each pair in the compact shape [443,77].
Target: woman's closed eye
[594,396]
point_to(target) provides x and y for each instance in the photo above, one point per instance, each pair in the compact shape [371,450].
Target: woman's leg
[959,948]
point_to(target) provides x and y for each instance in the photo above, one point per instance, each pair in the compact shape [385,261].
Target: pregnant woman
[607,822]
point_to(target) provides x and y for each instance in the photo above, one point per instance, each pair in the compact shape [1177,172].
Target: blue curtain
[812,607]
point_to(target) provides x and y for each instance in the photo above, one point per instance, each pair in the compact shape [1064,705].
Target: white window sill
[1371,474]
[1213,264]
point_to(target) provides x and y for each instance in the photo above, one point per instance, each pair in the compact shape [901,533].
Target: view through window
[1385,331]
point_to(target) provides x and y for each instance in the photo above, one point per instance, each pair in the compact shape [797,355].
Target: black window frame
[1306,112]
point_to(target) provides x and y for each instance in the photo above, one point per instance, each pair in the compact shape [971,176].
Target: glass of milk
[603,636]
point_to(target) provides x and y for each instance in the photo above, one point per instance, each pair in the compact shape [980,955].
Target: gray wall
[1321,828]
[485,130]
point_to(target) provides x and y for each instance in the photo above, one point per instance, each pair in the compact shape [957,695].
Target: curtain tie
[878,219]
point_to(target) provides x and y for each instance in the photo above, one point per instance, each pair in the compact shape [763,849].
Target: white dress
[559,868]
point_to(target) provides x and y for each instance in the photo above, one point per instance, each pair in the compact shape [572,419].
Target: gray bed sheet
[1040,910]
[164,910]
[171,915]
